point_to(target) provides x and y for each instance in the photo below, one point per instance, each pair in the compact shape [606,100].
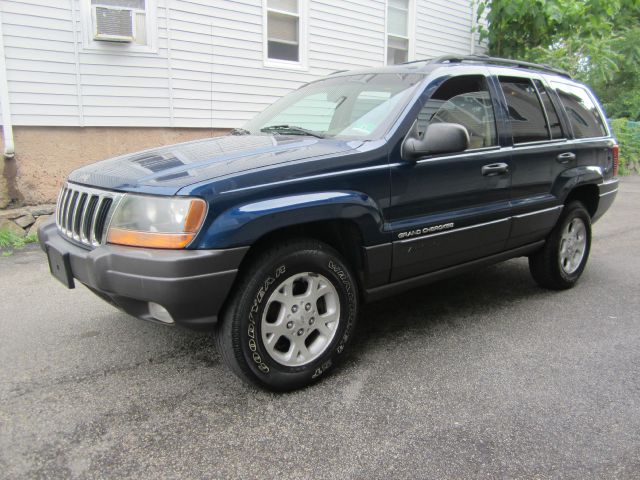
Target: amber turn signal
[149,240]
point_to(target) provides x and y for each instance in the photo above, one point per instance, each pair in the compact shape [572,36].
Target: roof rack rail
[496,60]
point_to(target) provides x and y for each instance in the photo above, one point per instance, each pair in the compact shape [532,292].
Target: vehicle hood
[167,169]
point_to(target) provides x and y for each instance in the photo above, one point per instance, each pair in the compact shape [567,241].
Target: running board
[383,291]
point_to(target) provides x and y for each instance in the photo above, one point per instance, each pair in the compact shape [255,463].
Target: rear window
[528,121]
[581,110]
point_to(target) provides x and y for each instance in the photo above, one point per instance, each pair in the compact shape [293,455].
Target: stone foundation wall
[25,221]
[46,155]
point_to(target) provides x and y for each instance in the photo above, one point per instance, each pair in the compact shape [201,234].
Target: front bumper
[607,192]
[192,285]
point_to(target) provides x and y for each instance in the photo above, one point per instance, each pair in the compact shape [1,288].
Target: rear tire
[560,263]
[291,316]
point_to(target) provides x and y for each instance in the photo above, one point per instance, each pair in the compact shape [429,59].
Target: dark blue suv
[351,188]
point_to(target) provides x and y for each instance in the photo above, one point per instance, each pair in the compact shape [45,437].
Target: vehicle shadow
[450,303]
[445,305]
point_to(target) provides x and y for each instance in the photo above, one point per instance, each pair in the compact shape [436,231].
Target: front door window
[464,100]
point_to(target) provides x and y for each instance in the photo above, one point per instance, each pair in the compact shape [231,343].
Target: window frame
[90,45]
[411,31]
[275,63]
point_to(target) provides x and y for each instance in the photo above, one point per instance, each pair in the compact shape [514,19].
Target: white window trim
[302,64]
[98,46]
[411,31]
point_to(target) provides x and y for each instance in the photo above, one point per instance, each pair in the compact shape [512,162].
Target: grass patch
[9,242]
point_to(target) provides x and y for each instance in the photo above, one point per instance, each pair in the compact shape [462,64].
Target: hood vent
[157,163]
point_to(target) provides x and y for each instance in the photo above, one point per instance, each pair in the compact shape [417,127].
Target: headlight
[156,222]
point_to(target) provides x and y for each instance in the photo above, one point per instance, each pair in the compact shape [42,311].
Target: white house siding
[40,61]
[208,71]
[123,90]
[443,27]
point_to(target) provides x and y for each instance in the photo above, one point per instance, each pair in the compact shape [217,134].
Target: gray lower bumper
[608,192]
[192,285]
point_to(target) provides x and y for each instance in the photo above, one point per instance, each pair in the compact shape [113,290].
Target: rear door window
[553,121]
[528,121]
[581,110]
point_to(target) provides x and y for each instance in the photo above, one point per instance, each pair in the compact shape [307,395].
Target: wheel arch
[580,184]
[345,220]
[244,224]
[588,195]
[343,235]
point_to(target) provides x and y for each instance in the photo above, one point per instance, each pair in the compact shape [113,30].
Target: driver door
[447,209]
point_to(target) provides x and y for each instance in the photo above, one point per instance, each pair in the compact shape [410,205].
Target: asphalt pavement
[481,376]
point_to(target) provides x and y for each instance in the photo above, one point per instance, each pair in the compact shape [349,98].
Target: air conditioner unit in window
[113,24]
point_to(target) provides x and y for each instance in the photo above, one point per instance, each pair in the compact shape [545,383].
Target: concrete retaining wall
[46,155]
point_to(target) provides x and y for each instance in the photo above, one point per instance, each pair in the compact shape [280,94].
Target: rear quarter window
[582,111]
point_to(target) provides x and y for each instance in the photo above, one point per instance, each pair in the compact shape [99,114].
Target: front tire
[560,263]
[291,316]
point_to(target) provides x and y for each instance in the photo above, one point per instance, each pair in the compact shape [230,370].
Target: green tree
[597,41]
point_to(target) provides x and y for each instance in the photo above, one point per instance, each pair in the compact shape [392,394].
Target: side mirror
[438,138]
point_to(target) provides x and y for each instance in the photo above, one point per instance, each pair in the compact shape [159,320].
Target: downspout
[474,24]
[7,129]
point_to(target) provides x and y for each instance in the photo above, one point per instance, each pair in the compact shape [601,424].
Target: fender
[576,177]
[243,224]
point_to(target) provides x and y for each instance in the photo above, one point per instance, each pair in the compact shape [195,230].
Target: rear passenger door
[540,153]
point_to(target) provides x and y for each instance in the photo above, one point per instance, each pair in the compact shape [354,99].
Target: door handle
[566,157]
[495,169]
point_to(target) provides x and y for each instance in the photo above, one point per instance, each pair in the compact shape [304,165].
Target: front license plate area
[60,267]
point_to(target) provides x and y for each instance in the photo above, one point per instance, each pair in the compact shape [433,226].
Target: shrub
[628,135]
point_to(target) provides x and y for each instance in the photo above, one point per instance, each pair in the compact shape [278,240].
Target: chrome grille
[83,214]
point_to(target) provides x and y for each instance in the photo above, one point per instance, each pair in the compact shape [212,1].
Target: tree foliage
[597,41]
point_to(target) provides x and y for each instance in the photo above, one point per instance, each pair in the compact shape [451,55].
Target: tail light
[616,159]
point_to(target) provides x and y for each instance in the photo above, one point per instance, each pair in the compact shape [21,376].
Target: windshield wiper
[292,129]
[239,131]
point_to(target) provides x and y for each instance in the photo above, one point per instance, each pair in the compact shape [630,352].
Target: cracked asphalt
[481,376]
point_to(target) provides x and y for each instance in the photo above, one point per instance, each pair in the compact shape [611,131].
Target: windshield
[354,106]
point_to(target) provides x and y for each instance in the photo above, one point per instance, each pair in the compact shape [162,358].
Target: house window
[119,25]
[284,25]
[398,31]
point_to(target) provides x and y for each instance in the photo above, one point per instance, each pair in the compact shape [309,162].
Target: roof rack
[496,60]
